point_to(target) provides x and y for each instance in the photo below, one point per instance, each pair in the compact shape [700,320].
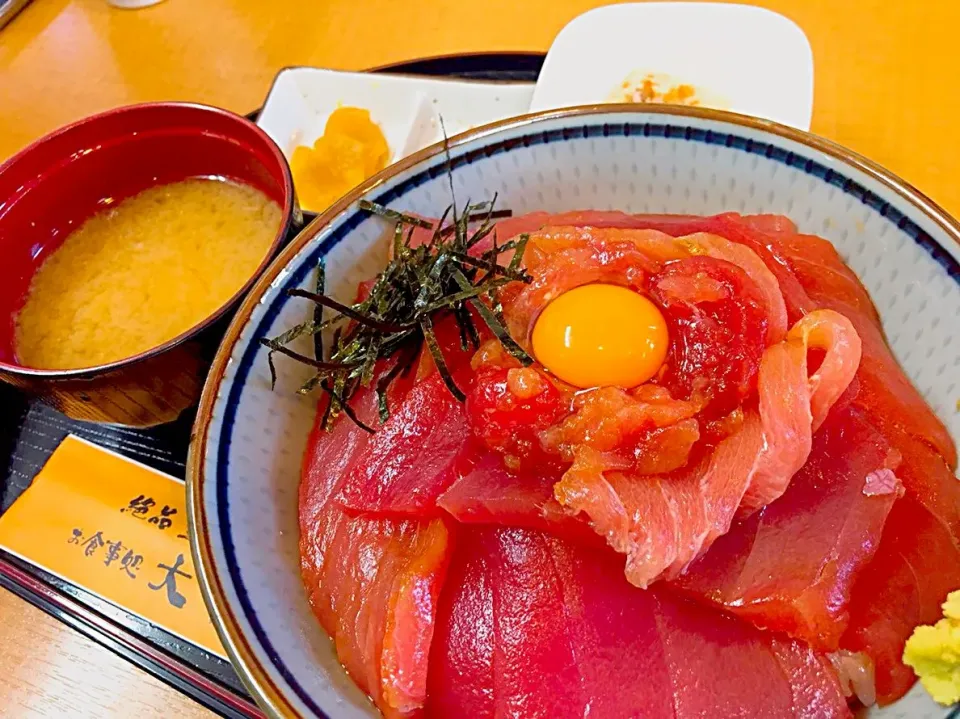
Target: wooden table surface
[885,81]
[49,670]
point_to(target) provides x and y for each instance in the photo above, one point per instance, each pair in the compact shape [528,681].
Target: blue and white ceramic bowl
[245,458]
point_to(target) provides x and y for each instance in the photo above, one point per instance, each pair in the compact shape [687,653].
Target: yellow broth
[138,274]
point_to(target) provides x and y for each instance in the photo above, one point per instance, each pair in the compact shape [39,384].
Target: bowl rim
[253,674]
[289,212]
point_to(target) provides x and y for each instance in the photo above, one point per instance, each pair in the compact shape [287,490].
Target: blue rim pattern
[709,137]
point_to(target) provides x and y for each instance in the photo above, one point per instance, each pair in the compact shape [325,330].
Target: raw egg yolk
[601,335]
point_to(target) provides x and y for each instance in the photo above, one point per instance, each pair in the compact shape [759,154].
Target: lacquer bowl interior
[51,187]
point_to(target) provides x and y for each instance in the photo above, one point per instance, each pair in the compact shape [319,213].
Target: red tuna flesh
[413,457]
[490,494]
[664,523]
[382,620]
[791,566]
[885,388]
[916,566]
[918,561]
[900,588]
[536,627]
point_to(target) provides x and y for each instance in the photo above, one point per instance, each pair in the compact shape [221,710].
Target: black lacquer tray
[30,431]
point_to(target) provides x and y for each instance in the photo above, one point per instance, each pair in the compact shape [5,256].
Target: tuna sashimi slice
[423,556]
[708,651]
[372,582]
[928,478]
[383,592]
[729,225]
[886,389]
[794,402]
[490,494]
[915,567]
[918,560]
[791,566]
[904,585]
[533,626]
[816,692]
[413,458]
[461,674]
[540,667]
[663,523]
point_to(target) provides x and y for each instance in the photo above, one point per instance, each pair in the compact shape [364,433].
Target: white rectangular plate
[406,107]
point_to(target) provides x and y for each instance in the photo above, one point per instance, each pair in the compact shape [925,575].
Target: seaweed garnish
[318,310]
[425,280]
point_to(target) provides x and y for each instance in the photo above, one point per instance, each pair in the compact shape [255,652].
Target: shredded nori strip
[318,310]
[437,278]
[347,311]
[340,397]
[388,214]
[274,347]
[521,246]
[426,327]
[401,369]
[493,322]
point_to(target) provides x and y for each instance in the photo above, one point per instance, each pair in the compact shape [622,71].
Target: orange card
[118,529]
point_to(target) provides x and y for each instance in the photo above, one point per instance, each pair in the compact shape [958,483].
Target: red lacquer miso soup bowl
[55,185]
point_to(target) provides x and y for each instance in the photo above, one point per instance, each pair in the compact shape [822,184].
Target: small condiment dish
[736,57]
[302,100]
[408,109]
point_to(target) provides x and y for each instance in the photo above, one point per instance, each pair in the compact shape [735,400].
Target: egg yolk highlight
[601,335]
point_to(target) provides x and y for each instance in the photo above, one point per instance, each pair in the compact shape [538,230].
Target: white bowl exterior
[251,463]
[753,60]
